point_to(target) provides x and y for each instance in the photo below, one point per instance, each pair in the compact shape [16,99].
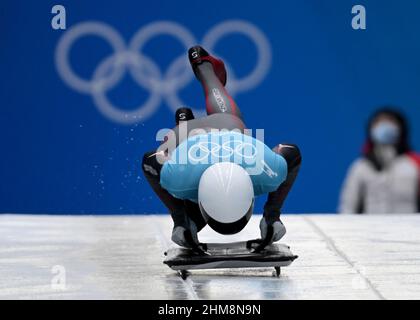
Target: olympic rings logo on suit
[162,86]
[215,148]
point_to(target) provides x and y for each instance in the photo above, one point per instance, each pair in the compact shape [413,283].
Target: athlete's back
[181,174]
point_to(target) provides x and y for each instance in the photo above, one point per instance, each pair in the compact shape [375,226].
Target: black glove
[183,236]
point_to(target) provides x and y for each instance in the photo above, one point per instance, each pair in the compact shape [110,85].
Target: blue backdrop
[66,146]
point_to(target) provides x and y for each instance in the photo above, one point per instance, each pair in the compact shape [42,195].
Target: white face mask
[385,132]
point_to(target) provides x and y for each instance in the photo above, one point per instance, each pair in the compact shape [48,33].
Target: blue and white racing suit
[180,175]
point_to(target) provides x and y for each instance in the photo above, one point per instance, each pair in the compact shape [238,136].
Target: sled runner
[244,254]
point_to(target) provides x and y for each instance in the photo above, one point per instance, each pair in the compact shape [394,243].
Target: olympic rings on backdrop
[161,85]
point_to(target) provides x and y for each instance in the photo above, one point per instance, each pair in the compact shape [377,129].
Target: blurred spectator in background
[386,179]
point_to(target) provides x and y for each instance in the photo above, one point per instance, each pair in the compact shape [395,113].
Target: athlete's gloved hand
[182,235]
[279,229]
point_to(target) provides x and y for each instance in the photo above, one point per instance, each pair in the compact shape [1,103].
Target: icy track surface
[120,257]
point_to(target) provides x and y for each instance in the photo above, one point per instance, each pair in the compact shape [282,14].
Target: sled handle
[266,241]
[194,246]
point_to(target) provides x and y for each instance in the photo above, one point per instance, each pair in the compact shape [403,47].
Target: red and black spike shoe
[198,55]
[183,114]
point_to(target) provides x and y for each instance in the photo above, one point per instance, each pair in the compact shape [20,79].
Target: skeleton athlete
[208,170]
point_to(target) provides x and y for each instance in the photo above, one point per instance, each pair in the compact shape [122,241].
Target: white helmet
[226,197]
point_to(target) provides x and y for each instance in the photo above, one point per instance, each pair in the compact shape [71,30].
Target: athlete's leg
[212,75]
[151,169]
[275,199]
[179,209]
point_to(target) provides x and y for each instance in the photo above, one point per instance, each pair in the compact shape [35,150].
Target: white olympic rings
[214,151]
[145,72]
